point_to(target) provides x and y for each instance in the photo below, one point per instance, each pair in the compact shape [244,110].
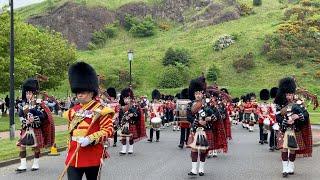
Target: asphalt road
[246,160]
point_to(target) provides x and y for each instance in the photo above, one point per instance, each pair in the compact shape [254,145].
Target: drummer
[156,112]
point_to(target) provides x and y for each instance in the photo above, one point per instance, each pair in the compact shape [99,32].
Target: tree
[36,51]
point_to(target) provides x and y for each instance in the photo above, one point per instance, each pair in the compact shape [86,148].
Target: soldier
[37,125]
[90,124]
[296,136]
[156,112]
[131,121]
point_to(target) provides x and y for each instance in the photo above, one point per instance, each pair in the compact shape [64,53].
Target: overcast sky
[19,3]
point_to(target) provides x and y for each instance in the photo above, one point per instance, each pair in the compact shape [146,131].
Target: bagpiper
[132,121]
[296,135]
[37,125]
[196,111]
[89,125]
[274,130]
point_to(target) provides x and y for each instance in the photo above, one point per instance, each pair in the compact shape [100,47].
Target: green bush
[145,28]
[245,63]
[171,78]
[99,38]
[246,10]
[212,74]
[172,57]
[299,64]
[120,78]
[257,2]
[140,27]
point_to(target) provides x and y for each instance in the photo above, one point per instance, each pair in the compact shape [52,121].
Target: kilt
[219,136]
[39,137]
[282,140]
[184,124]
[133,131]
[209,139]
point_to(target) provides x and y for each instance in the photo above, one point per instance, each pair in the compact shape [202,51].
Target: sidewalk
[6,135]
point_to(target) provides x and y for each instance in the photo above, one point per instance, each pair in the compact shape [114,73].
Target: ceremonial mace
[97,113]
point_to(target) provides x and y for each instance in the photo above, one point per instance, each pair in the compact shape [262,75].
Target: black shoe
[150,140]
[121,153]
[261,142]
[271,149]
[201,173]
[180,146]
[34,169]
[130,153]
[114,145]
[157,140]
[291,173]
[284,174]
[191,174]
[265,141]
[21,170]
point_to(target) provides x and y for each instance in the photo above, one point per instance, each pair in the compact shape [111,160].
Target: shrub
[164,26]
[171,78]
[212,74]
[99,38]
[172,57]
[139,28]
[317,74]
[299,64]
[257,2]
[282,55]
[120,78]
[223,42]
[246,10]
[245,63]
[145,28]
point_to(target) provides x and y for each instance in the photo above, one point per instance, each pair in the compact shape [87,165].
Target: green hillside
[148,52]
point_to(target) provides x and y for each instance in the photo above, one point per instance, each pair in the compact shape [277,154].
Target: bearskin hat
[264,94]
[195,85]
[126,92]
[286,85]
[224,90]
[235,100]
[273,92]
[184,94]
[156,94]
[112,92]
[82,77]
[29,84]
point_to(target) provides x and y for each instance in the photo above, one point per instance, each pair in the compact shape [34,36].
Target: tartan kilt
[133,131]
[219,136]
[209,135]
[282,140]
[39,137]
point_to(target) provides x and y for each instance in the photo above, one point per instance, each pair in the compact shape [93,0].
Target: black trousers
[184,135]
[115,136]
[273,138]
[263,137]
[77,173]
[157,134]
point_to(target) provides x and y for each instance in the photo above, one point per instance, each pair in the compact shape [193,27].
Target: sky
[19,3]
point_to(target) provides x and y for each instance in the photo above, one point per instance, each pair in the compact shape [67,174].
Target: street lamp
[130,58]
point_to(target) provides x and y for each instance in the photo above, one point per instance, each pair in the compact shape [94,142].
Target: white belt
[76,138]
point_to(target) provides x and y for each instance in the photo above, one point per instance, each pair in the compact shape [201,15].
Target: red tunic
[264,111]
[102,128]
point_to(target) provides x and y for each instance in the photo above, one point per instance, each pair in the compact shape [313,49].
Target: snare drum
[156,122]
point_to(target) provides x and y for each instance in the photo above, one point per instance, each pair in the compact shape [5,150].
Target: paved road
[246,160]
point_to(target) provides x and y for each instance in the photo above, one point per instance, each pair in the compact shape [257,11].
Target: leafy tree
[36,51]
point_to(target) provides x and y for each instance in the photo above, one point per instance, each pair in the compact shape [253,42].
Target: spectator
[7,100]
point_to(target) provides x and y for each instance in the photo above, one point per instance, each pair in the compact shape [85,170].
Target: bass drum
[181,113]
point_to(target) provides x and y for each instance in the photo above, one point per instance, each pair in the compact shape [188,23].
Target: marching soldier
[37,129]
[296,136]
[156,112]
[90,124]
[131,120]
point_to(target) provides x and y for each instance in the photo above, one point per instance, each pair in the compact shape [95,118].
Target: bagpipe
[131,112]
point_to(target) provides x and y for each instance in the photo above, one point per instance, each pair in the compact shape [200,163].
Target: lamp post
[130,58]
[11,110]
